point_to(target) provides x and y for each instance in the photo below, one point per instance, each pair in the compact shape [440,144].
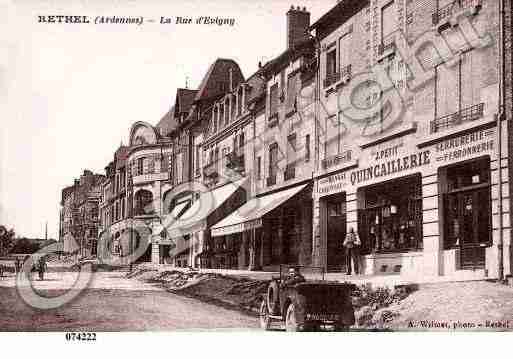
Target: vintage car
[307,305]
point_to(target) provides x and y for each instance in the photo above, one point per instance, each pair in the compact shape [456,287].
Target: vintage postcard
[323,166]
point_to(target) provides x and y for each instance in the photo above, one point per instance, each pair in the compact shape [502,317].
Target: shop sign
[466,146]
[391,166]
[332,184]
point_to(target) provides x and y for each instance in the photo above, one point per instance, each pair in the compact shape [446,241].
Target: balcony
[235,161]
[273,119]
[331,79]
[336,160]
[290,172]
[445,12]
[387,45]
[210,170]
[271,180]
[472,113]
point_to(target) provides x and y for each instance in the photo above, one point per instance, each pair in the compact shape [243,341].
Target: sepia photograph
[255,166]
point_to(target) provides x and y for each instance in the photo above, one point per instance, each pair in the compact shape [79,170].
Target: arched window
[143,203]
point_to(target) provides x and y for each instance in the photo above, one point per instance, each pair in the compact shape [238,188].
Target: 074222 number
[81,337]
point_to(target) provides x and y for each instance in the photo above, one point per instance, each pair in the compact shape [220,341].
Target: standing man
[41,267]
[352,245]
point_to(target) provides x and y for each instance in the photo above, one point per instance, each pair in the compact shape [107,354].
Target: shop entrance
[336,232]
[467,202]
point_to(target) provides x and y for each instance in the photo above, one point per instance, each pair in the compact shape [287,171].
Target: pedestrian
[352,246]
[1,270]
[17,265]
[41,267]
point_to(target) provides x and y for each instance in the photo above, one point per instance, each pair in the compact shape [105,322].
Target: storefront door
[468,211]
[336,206]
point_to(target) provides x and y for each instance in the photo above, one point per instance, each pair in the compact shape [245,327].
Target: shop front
[191,231]
[272,229]
[422,207]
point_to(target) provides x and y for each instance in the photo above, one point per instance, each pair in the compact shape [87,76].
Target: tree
[6,240]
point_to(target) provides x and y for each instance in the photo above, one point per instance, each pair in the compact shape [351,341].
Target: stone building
[415,161]
[79,214]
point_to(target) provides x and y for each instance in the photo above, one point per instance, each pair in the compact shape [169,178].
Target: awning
[195,218]
[250,215]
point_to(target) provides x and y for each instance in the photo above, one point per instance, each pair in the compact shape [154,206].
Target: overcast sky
[69,93]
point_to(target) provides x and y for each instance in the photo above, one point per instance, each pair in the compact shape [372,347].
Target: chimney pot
[298,23]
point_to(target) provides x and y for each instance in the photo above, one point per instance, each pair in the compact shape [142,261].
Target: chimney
[298,22]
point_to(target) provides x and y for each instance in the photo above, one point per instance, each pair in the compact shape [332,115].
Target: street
[114,303]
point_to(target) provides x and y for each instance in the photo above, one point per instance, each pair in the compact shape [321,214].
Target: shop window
[467,206]
[390,216]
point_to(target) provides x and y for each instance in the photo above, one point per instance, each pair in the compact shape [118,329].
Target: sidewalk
[384,280]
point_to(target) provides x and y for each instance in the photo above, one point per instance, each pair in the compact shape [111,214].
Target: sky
[70,92]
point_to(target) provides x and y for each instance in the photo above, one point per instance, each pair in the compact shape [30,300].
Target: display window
[390,216]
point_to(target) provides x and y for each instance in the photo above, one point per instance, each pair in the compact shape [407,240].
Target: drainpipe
[500,245]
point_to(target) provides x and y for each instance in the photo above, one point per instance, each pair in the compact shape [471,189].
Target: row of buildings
[391,117]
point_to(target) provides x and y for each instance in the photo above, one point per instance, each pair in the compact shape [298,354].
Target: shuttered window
[292,85]
[274,99]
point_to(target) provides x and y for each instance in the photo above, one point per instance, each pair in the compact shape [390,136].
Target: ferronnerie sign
[398,159]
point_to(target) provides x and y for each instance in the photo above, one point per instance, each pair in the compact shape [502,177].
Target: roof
[339,12]
[121,155]
[218,71]
[167,123]
[301,48]
[184,100]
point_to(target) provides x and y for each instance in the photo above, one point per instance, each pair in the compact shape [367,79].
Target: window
[331,63]
[390,216]
[197,159]
[140,166]
[226,112]
[292,93]
[307,148]
[221,116]
[274,99]
[345,53]
[457,93]
[467,209]
[241,143]
[291,149]
[273,160]
[259,167]
[239,101]
[143,202]
[164,166]
[389,21]
[215,119]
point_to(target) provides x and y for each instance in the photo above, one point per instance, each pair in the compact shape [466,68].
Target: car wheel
[273,301]
[290,319]
[265,320]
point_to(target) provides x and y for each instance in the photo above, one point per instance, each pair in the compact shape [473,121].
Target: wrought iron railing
[331,79]
[388,43]
[337,159]
[471,113]
[346,71]
[448,10]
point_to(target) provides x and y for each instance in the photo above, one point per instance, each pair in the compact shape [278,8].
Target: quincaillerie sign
[391,166]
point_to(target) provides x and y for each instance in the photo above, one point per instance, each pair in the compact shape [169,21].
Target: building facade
[79,215]
[420,171]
